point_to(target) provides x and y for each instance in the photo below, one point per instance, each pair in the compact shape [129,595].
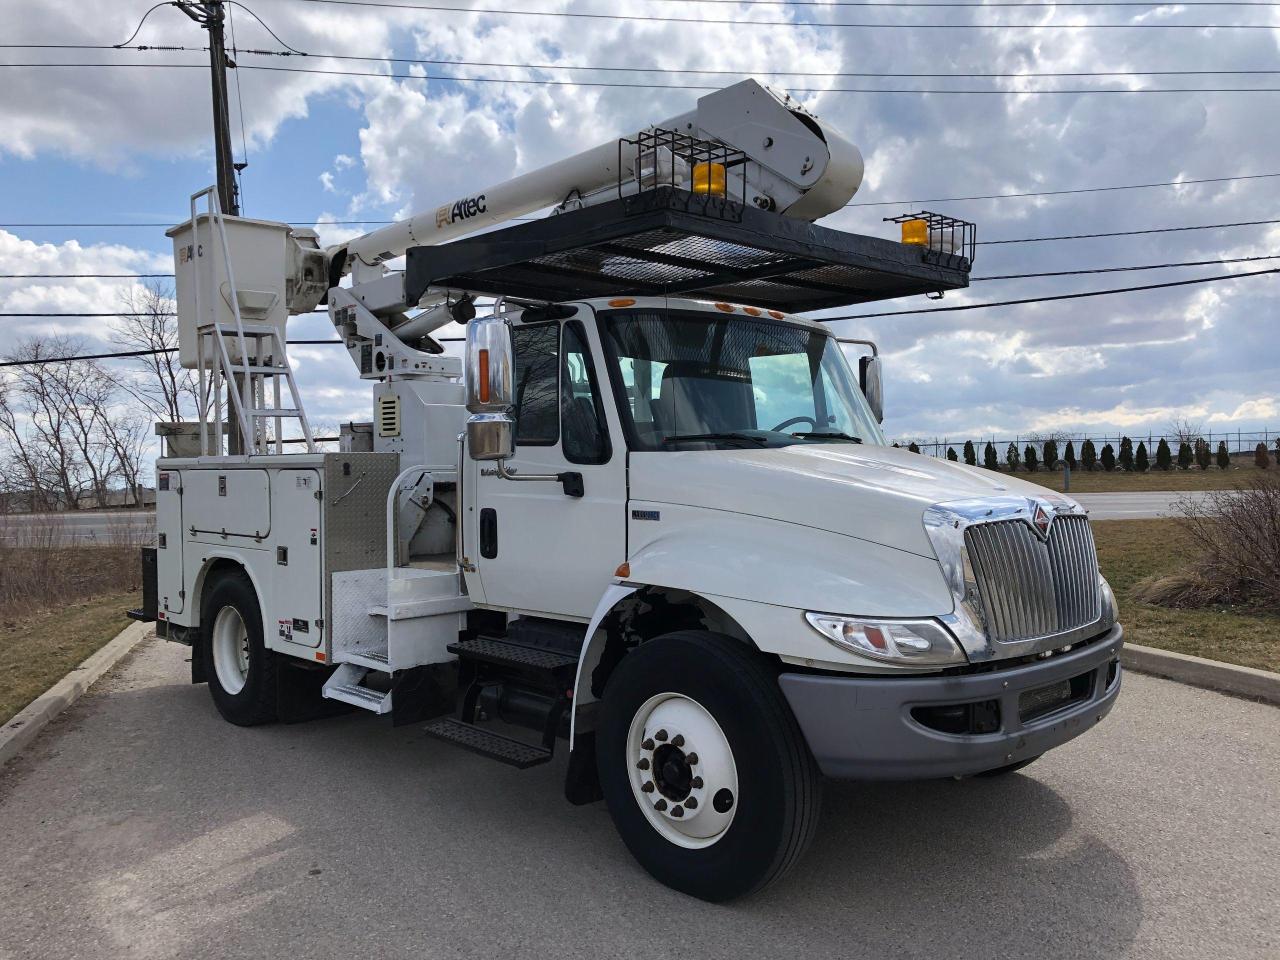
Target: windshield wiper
[832,435]
[711,437]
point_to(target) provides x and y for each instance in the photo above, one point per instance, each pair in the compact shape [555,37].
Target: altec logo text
[462,210]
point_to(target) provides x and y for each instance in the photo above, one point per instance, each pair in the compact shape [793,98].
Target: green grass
[1129,551]
[38,651]
[1100,481]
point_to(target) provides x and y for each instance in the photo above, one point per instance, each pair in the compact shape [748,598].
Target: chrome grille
[1033,588]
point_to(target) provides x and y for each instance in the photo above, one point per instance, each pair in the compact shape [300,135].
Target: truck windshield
[696,380]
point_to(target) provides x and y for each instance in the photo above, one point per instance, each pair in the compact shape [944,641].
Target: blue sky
[130,145]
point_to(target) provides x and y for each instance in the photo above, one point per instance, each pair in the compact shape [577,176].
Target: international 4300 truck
[650,515]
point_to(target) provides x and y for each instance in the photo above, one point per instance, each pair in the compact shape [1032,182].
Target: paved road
[80,526]
[1134,506]
[141,825]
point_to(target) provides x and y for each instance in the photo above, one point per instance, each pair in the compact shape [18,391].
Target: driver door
[537,548]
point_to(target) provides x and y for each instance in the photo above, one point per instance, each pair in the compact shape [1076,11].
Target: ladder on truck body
[262,363]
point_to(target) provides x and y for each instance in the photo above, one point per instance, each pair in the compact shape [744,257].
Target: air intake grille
[388,416]
[1032,587]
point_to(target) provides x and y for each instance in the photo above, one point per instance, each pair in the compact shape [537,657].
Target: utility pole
[211,15]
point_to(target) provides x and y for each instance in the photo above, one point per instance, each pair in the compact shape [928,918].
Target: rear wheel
[703,767]
[239,667]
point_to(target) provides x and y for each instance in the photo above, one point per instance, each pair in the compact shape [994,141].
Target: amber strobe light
[484,376]
[709,178]
[915,233]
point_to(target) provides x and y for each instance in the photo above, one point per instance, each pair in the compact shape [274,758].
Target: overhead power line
[84,276]
[1007,276]
[1130,233]
[1055,297]
[827,25]
[754,71]
[530,81]
[905,4]
[1060,193]
[1096,270]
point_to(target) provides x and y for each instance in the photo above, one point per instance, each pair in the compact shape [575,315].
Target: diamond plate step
[344,685]
[501,653]
[506,750]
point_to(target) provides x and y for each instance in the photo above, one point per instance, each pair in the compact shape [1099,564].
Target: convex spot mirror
[490,389]
[869,379]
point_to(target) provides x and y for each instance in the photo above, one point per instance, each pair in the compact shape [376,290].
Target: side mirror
[869,379]
[490,390]
[490,436]
[490,367]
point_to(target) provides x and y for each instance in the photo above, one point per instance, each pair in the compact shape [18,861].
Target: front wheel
[239,667]
[703,767]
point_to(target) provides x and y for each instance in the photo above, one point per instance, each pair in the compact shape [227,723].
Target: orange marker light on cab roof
[622,302]
[484,376]
[777,314]
[623,571]
[726,307]
[751,311]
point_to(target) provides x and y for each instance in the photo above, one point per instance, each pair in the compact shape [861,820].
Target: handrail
[393,531]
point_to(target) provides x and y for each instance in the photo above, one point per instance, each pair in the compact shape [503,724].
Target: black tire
[1009,768]
[779,785]
[255,702]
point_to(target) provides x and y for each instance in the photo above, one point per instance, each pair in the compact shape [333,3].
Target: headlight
[1110,609]
[899,641]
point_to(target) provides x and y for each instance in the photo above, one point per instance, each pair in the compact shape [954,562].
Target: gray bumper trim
[861,728]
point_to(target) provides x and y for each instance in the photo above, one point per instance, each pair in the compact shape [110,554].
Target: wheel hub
[680,760]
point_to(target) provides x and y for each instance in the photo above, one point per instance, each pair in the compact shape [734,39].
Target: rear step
[506,750]
[543,675]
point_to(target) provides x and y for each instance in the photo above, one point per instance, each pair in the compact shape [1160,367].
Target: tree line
[1192,452]
[74,433]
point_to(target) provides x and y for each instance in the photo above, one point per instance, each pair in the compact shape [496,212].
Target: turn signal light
[484,376]
[709,178]
[915,233]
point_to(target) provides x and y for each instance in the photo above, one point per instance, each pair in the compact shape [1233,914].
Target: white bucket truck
[653,515]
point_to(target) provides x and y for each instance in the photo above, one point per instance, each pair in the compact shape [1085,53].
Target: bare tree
[1186,430]
[146,322]
[63,430]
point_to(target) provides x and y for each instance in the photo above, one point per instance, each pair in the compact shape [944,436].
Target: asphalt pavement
[142,825]
[81,526]
[1136,506]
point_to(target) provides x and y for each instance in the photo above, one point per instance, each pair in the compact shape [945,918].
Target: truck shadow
[968,868]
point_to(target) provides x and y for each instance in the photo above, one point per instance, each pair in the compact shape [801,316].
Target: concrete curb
[26,726]
[1199,672]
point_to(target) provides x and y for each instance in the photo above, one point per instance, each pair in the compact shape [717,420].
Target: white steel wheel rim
[230,650]
[682,771]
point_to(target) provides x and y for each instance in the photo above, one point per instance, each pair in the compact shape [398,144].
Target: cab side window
[537,367]
[586,438]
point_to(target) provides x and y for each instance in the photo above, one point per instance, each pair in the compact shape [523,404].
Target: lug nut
[647,745]
[691,803]
[660,805]
[643,764]
[691,759]
[646,787]
[660,735]
[677,740]
[677,811]
[696,783]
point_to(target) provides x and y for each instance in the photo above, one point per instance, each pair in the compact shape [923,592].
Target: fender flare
[589,659]
[202,577]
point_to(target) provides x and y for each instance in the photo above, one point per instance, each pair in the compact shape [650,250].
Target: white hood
[868,492]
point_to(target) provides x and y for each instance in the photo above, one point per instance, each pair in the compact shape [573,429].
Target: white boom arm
[795,166]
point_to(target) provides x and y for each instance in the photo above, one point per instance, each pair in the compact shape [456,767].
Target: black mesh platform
[658,244]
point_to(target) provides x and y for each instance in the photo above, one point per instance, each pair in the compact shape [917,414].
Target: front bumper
[862,728]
